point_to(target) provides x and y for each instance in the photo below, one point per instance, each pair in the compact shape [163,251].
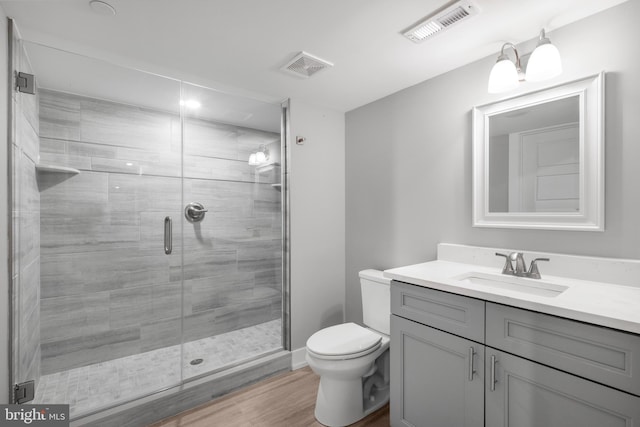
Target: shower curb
[143,412]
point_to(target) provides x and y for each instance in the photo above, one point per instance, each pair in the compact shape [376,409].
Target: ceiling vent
[442,20]
[306,65]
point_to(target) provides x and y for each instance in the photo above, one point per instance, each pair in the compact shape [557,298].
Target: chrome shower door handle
[168,235]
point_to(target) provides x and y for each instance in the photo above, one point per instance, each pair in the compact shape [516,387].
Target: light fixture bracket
[518,63]
[543,39]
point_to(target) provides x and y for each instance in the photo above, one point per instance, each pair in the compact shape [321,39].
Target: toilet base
[341,401]
[351,407]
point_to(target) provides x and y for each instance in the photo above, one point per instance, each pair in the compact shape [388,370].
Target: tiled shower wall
[26,226]
[108,289]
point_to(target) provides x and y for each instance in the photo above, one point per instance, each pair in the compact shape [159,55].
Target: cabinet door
[432,378]
[526,394]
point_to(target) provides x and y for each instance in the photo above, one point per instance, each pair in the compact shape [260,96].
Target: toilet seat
[345,341]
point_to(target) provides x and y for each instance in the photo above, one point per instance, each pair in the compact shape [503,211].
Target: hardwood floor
[286,400]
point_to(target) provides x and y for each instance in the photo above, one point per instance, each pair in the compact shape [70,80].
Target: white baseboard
[297,358]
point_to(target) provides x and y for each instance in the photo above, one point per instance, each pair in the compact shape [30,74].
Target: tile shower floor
[89,388]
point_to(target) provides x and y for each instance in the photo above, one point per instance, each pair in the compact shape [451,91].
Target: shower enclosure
[147,230]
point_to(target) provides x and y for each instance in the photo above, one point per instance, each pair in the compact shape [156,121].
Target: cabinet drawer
[457,314]
[604,355]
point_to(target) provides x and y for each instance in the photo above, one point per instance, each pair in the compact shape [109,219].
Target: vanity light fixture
[544,63]
[505,75]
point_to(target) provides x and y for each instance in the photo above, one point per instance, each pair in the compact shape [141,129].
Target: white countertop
[605,304]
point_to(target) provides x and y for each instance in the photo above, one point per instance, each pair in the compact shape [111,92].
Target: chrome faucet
[518,258]
[520,269]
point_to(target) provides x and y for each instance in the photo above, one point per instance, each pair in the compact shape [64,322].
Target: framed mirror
[538,159]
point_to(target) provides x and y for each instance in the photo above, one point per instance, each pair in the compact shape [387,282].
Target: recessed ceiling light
[190,103]
[102,8]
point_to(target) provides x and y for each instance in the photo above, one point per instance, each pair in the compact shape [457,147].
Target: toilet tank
[376,300]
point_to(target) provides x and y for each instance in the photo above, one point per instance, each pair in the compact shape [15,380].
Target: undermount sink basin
[518,284]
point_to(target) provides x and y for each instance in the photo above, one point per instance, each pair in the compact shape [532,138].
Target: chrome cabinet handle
[493,374]
[168,240]
[471,369]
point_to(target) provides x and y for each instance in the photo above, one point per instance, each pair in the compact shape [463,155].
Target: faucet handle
[533,272]
[508,266]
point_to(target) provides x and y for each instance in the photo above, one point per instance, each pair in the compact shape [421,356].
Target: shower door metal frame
[10,138]
[285,130]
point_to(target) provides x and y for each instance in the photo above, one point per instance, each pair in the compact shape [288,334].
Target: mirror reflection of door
[534,158]
[544,170]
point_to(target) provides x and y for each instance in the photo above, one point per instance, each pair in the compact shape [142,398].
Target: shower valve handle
[194,212]
[197,210]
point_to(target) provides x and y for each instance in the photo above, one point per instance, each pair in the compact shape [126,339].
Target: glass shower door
[233,251]
[103,183]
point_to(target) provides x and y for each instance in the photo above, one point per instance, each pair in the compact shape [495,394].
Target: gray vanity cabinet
[527,394]
[432,375]
[437,378]
[460,361]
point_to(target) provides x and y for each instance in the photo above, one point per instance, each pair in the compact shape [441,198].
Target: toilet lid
[344,339]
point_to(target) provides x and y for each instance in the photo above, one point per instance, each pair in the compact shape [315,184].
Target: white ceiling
[240,45]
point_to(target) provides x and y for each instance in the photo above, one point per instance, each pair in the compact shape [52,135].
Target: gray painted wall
[317,221]
[408,158]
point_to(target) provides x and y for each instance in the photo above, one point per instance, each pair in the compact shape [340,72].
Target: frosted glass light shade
[544,63]
[260,157]
[503,77]
[252,159]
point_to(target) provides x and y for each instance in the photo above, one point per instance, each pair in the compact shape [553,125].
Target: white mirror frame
[590,216]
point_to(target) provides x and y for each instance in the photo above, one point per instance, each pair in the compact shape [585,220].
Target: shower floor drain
[196,361]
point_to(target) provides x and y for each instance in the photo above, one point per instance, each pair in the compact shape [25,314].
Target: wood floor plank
[286,400]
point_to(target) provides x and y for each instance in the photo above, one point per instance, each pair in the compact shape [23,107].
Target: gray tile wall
[108,289]
[26,227]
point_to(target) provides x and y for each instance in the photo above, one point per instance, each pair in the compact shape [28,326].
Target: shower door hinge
[24,392]
[26,83]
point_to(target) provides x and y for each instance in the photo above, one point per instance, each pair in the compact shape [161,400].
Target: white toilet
[353,361]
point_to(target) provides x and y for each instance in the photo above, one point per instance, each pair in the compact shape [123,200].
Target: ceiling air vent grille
[306,65]
[441,20]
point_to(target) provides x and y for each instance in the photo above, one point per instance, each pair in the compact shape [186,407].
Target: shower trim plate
[194,212]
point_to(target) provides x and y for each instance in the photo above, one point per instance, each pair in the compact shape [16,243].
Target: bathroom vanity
[473,347]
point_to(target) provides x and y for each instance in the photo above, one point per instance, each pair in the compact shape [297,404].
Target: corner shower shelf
[57,169]
[277,186]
